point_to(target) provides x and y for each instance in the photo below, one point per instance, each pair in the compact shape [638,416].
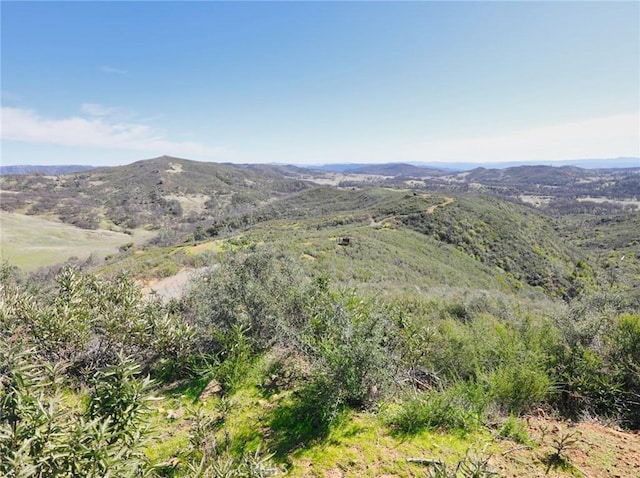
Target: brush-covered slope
[544,175]
[328,205]
[149,193]
[516,241]
[513,238]
[393,240]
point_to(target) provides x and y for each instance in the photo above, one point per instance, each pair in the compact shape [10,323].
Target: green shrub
[514,429]
[87,320]
[125,247]
[596,366]
[626,339]
[347,341]
[249,465]
[234,359]
[307,415]
[587,384]
[446,410]
[260,291]
[625,353]
[517,387]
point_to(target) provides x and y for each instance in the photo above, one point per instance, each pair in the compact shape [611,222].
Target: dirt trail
[446,202]
[429,210]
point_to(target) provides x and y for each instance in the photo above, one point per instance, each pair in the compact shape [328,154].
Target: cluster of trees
[451,363]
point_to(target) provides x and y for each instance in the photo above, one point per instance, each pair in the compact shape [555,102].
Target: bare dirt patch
[597,451]
[175,168]
[170,287]
[535,200]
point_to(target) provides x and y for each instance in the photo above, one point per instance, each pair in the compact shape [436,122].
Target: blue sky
[319,82]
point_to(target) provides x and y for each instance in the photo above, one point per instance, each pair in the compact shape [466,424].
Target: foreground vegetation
[262,366]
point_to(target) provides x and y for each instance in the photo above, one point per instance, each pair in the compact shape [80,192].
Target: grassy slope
[30,242]
[381,259]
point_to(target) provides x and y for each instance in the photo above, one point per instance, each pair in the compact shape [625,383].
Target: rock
[212,389]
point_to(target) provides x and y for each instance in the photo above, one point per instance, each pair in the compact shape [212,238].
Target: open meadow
[30,242]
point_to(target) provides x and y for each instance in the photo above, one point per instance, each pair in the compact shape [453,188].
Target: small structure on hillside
[345,241]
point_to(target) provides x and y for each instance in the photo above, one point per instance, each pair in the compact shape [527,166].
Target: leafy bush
[595,366]
[344,338]
[119,399]
[585,386]
[626,352]
[249,465]
[347,341]
[233,359]
[307,415]
[259,291]
[517,388]
[208,457]
[42,435]
[125,247]
[87,321]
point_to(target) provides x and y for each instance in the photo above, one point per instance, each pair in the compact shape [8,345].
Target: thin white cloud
[612,136]
[99,131]
[112,70]
[96,109]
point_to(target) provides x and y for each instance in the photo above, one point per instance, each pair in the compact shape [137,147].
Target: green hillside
[511,242]
[518,240]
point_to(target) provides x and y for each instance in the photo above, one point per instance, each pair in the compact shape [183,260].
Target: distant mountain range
[396,169]
[46,170]
[606,163]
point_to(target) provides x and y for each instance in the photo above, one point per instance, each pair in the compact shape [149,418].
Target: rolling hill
[150,193]
[186,200]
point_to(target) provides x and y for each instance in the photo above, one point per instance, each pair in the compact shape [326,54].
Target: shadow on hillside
[303,419]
